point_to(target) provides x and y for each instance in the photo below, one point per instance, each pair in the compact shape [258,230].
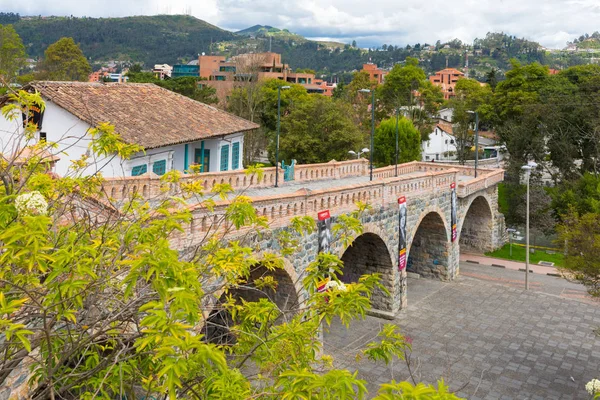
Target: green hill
[147,39]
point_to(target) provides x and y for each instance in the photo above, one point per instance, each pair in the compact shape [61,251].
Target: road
[487,337]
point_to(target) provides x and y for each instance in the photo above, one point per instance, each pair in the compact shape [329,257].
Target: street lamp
[527,168]
[476,139]
[372,128]
[278,129]
[358,154]
[397,116]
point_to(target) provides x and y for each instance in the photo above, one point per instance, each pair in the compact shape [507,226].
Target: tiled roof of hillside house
[142,113]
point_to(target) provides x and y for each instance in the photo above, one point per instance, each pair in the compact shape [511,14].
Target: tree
[135,68]
[409,142]
[318,130]
[98,304]
[492,79]
[12,53]
[400,84]
[581,237]
[470,97]
[64,61]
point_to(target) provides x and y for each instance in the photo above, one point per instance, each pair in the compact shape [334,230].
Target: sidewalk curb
[473,262]
[523,270]
[556,275]
[498,266]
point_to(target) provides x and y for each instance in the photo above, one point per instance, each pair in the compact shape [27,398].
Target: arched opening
[368,254]
[217,329]
[477,230]
[429,252]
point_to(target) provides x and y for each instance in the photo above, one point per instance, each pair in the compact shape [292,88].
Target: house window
[427,144]
[139,170]
[451,141]
[446,141]
[159,167]
[235,155]
[42,136]
[225,157]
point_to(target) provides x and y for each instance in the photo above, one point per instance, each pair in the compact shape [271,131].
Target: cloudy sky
[369,22]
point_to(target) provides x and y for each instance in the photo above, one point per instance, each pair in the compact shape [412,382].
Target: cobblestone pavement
[487,337]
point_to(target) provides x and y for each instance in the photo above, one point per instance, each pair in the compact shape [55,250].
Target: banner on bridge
[453,211]
[324,230]
[402,216]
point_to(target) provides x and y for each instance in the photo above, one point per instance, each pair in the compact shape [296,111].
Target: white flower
[593,386]
[335,285]
[32,203]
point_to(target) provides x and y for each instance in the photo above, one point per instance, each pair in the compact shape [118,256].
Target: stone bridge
[336,187]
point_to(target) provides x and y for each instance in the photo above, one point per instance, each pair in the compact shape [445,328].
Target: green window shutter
[235,155]
[224,157]
[139,170]
[159,167]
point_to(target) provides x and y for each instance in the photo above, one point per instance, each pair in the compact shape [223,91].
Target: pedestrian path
[501,263]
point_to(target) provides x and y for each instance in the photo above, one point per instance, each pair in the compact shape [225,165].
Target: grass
[518,254]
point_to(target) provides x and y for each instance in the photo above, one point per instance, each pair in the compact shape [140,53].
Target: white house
[175,131]
[446,114]
[441,144]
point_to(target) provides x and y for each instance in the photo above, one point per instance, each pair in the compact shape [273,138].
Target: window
[225,157]
[451,141]
[42,136]
[159,167]
[235,155]
[427,144]
[446,141]
[139,170]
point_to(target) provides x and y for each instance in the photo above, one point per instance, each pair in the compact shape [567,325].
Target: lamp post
[527,168]
[397,116]
[476,139]
[358,154]
[278,129]
[372,129]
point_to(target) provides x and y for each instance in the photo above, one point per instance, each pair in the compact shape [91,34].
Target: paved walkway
[487,337]
[514,265]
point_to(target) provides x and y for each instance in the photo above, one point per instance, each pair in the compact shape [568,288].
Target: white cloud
[374,22]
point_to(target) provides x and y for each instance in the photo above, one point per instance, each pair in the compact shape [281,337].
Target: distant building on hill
[375,74]
[180,70]
[446,79]
[224,74]
[162,70]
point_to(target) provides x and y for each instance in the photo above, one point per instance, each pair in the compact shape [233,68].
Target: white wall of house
[68,132]
[71,135]
[438,146]
[446,114]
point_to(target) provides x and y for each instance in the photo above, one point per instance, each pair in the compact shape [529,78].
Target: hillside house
[174,130]
[441,144]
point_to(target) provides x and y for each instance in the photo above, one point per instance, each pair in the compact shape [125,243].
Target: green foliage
[392,344]
[581,237]
[318,130]
[519,253]
[146,39]
[64,61]
[400,82]
[407,391]
[409,142]
[12,53]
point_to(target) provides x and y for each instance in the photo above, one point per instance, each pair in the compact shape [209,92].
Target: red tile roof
[142,113]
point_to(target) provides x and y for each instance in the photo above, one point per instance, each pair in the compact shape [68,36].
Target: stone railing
[280,209]
[482,182]
[149,185]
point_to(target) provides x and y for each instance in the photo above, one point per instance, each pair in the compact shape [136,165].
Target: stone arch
[288,296]
[369,253]
[429,246]
[476,227]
